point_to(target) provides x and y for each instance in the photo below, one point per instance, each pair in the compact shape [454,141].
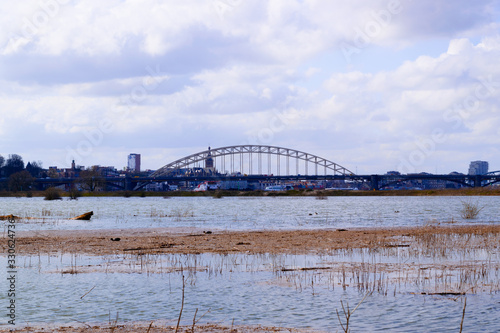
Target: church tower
[209,162]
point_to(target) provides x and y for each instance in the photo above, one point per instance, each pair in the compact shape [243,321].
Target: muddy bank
[151,328]
[165,240]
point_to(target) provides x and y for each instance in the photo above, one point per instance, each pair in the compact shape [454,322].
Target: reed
[179,213]
[463,315]
[114,325]
[156,213]
[348,313]
[182,305]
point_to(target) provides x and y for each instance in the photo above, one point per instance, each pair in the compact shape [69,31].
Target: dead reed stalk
[88,292]
[348,313]
[463,315]
[194,320]
[182,305]
[115,323]
[149,328]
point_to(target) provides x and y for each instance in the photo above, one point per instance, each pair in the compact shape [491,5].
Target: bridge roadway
[376,181]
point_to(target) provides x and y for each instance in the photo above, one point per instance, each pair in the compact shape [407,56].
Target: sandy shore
[164,240]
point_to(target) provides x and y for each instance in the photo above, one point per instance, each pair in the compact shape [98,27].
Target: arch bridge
[492,178]
[255,160]
[257,163]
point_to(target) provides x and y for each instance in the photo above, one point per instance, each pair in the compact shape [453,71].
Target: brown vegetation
[164,240]
[152,327]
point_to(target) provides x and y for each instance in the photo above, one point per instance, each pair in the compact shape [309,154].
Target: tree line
[20,177]
[14,163]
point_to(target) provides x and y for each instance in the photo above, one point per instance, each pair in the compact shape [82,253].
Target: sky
[373,85]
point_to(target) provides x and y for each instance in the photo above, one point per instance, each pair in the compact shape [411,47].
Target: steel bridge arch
[492,179]
[251,149]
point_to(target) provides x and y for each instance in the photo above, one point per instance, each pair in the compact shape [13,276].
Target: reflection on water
[238,213]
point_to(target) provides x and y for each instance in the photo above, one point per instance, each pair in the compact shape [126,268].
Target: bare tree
[2,161]
[91,179]
[20,181]
[14,164]
[34,168]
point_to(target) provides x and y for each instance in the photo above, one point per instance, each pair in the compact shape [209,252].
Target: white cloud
[230,74]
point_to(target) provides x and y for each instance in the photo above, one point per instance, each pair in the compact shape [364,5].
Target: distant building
[209,162]
[73,172]
[478,168]
[134,163]
[107,171]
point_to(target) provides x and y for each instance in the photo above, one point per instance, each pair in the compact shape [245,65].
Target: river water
[256,289]
[248,213]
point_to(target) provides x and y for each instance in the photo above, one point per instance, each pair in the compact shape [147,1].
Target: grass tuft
[52,193]
[470,210]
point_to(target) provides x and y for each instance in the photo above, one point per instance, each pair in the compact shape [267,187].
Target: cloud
[186,74]
[444,18]
[455,93]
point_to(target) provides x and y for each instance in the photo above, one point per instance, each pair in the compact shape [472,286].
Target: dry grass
[165,240]
[470,210]
[157,213]
[52,193]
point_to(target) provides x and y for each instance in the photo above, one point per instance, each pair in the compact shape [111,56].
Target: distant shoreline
[489,191]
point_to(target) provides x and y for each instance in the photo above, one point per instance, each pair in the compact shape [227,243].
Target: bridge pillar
[478,180]
[374,182]
[128,183]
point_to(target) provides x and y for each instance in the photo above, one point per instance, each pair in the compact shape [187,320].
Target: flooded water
[251,289]
[407,288]
[243,213]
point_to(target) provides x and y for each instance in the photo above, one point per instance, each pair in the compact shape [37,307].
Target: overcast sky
[373,85]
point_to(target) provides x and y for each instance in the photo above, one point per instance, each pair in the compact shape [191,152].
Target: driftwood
[85,216]
[8,217]
[303,269]
[446,293]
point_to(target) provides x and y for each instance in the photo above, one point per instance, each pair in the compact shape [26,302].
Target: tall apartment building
[478,168]
[134,163]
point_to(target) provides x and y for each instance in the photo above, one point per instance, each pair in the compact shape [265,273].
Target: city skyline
[133,164]
[371,85]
